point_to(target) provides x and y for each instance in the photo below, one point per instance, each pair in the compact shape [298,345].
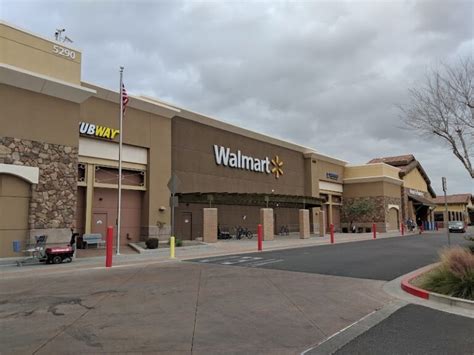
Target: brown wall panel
[38,117]
[231,216]
[194,162]
[105,201]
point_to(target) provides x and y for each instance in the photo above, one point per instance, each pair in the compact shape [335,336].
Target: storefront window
[81,173]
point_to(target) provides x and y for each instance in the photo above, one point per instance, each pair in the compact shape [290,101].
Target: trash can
[16,246]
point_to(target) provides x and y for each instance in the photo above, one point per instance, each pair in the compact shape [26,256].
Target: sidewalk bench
[91,239]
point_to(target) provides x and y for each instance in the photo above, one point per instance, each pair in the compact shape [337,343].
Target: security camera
[162,209]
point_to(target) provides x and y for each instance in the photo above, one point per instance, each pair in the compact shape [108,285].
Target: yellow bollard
[172,248]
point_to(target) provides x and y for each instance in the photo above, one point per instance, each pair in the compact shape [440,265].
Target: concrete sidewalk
[178,308]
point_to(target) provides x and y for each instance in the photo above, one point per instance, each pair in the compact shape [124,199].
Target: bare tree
[443,106]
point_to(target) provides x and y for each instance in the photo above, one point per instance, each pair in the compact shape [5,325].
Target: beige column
[304,224]
[209,225]
[266,219]
[90,178]
[322,223]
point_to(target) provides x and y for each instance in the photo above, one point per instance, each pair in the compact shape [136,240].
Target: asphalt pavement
[415,329]
[380,259]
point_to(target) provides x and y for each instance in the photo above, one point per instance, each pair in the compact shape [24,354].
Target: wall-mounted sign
[90,129]
[332,176]
[277,166]
[416,192]
[237,160]
[65,52]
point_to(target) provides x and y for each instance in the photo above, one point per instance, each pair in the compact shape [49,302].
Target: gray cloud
[322,74]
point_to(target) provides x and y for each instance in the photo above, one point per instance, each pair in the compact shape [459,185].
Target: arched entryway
[393,219]
[15,194]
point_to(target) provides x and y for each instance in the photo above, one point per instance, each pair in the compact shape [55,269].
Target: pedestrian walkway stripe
[265,262]
[217,259]
[244,259]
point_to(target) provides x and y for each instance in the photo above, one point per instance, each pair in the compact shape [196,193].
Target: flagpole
[119,204]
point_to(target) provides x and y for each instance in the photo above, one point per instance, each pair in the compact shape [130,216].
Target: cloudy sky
[324,74]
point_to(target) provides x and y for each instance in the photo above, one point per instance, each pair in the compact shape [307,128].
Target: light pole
[446,218]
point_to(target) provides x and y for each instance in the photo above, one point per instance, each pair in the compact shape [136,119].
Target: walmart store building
[59,150]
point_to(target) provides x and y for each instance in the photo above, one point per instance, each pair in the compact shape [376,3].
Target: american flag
[125,98]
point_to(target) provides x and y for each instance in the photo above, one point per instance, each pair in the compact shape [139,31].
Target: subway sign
[90,129]
[237,160]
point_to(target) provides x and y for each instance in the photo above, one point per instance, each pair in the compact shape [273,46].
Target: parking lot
[381,259]
[275,302]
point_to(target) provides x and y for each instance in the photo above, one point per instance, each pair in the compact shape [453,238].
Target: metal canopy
[250,199]
[421,200]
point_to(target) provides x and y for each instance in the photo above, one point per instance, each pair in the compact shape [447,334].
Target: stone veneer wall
[379,215]
[53,199]
[404,207]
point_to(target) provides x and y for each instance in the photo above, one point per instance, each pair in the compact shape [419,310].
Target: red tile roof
[405,163]
[395,160]
[457,198]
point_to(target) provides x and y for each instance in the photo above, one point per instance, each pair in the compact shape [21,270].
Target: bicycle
[242,232]
[284,230]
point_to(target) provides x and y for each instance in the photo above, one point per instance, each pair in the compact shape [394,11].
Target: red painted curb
[413,290]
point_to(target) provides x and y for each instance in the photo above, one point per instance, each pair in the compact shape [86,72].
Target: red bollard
[109,243]
[331,230]
[260,237]
[374,230]
[402,228]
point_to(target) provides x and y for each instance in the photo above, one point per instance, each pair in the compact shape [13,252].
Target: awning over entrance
[250,199]
[421,200]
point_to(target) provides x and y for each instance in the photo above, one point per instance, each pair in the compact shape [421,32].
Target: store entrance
[421,212]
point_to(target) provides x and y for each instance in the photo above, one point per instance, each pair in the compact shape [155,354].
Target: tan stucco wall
[372,189]
[370,170]
[392,190]
[311,181]
[27,51]
[324,167]
[146,130]
[14,201]
[414,180]
[363,189]
[38,117]
[451,207]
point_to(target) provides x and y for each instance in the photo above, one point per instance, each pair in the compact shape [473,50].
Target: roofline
[361,165]
[5,23]
[136,102]
[216,123]
[31,81]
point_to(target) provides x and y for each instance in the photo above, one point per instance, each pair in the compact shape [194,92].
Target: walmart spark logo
[277,166]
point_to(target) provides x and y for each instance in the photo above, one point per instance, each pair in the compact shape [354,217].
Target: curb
[413,290]
[433,296]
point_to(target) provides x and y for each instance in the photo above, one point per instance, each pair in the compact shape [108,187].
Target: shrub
[455,276]
[177,242]
[152,243]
